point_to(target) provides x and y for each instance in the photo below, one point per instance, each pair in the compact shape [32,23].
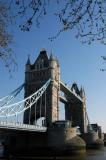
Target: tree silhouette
[88,17]
[6,53]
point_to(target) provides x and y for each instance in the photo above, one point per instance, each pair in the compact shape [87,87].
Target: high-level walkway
[74,96]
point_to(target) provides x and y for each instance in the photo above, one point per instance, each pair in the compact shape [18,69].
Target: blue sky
[79,63]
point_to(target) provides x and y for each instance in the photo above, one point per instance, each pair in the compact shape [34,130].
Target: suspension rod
[20,107]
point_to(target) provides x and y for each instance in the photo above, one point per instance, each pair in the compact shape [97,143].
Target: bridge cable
[45,109]
[35,111]
[40,106]
[29,114]
[16,117]
[12,109]
[7,100]
[6,118]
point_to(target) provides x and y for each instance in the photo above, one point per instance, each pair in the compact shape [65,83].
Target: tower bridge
[42,95]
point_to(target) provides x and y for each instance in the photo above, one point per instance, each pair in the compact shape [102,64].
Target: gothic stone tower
[36,75]
[76,110]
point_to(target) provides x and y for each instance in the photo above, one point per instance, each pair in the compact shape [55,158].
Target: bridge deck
[63,99]
[23,127]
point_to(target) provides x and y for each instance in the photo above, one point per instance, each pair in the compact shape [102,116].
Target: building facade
[36,75]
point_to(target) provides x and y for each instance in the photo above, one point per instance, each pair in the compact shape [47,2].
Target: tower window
[37,67]
[40,66]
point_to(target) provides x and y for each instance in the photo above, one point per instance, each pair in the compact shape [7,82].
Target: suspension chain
[23,105]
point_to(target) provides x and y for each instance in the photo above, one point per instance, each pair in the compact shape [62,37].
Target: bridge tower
[36,75]
[75,110]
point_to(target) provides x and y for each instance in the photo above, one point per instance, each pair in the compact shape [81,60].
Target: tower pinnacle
[28,60]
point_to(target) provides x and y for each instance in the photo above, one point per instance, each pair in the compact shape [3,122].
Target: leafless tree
[6,53]
[87,17]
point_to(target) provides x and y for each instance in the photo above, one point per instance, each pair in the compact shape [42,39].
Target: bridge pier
[24,143]
[75,112]
[57,141]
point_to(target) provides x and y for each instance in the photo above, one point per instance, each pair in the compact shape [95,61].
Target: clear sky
[79,63]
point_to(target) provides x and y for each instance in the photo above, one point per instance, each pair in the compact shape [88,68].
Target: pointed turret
[28,60]
[51,57]
[28,63]
[75,88]
[82,92]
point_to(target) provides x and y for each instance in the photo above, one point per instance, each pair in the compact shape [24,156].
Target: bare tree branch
[88,17]
[6,53]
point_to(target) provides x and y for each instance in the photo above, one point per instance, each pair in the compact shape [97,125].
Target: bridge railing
[21,126]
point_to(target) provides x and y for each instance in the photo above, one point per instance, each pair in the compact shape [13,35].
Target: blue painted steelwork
[8,99]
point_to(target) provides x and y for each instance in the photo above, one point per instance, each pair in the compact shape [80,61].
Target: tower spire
[28,60]
[51,56]
[82,92]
